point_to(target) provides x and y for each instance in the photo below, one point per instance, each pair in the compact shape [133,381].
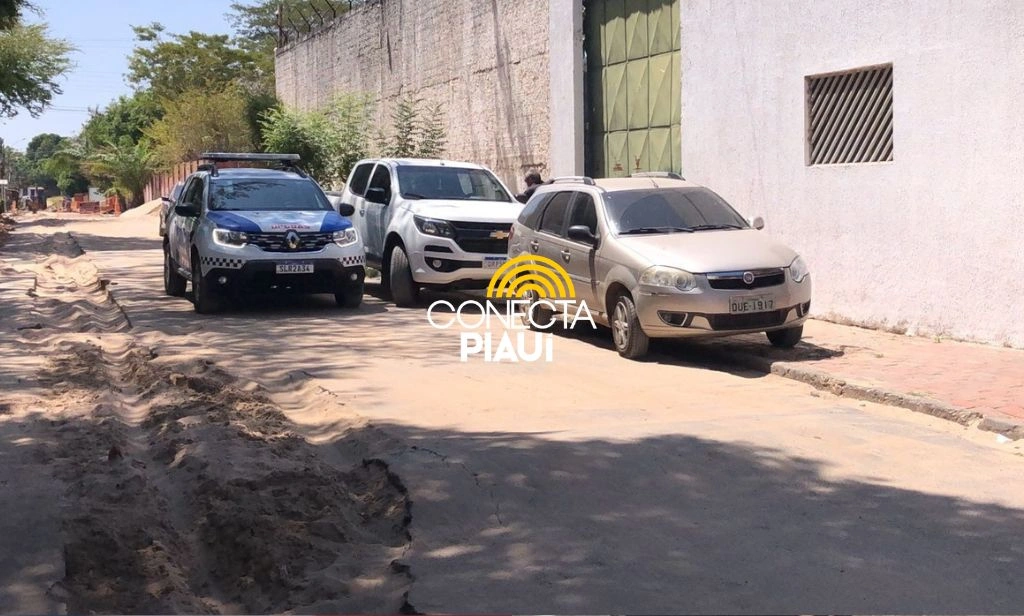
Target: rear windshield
[670,208]
[251,194]
[456,183]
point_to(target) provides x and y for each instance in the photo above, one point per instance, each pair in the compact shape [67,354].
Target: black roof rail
[579,179]
[657,174]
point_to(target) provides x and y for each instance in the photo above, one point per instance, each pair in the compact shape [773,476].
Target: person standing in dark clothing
[533,180]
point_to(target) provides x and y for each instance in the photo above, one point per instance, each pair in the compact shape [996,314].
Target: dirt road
[590,484]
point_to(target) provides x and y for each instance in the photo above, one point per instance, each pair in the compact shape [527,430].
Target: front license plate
[493,263]
[743,304]
[294,268]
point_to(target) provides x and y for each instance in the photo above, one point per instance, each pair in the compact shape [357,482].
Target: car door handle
[566,255]
[534,246]
[362,211]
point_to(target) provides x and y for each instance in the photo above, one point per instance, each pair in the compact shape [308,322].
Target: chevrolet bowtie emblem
[292,240]
[499,235]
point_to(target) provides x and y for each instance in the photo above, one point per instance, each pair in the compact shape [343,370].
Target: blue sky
[101,30]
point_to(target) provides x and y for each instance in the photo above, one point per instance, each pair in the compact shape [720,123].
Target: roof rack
[657,174]
[287,161]
[573,178]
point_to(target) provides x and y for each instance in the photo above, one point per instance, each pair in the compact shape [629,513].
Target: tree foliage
[330,141]
[127,167]
[172,64]
[128,116]
[65,167]
[257,20]
[200,121]
[30,63]
[415,132]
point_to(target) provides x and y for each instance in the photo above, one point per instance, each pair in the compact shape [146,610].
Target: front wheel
[204,299]
[786,338]
[630,340]
[350,296]
[174,283]
[404,290]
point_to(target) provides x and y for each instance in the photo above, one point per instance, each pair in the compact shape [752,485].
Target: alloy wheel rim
[620,328]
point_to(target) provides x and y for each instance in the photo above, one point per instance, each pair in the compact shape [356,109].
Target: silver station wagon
[660,257]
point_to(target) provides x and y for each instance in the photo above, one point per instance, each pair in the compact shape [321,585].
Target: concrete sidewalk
[964,382]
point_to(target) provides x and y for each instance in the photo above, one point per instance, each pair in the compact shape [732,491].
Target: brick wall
[485,61]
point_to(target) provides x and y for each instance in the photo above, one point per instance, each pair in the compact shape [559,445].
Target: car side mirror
[581,233]
[377,195]
[186,210]
[757,222]
[346,209]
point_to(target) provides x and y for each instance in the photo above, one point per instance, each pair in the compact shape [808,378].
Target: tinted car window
[584,212]
[382,179]
[554,214]
[669,208]
[266,194]
[194,192]
[176,191]
[360,177]
[452,183]
[530,216]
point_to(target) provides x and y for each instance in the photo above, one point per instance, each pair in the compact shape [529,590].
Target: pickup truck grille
[274,242]
[476,236]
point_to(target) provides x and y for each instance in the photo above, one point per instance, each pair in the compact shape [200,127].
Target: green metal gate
[632,89]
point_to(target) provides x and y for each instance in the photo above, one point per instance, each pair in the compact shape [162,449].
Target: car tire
[174,283]
[204,299]
[350,296]
[630,339]
[786,338]
[403,288]
[542,317]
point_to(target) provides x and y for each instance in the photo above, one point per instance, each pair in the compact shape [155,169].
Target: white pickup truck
[430,223]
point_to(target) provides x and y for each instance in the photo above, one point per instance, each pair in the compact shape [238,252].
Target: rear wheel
[630,340]
[537,317]
[403,288]
[350,296]
[204,299]
[786,338]
[174,283]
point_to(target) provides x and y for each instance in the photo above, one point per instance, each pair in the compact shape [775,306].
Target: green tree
[65,167]
[172,64]
[128,116]
[199,121]
[127,167]
[415,132]
[257,20]
[30,63]
[330,141]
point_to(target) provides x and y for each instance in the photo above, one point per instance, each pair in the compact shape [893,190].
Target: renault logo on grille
[499,235]
[292,240]
[748,277]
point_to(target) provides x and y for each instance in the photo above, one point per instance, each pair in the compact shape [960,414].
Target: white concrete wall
[931,242]
[485,61]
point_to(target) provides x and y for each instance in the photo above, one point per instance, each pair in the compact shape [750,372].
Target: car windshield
[422,182]
[670,210]
[253,194]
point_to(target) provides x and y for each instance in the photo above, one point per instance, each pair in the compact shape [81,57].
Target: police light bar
[251,157]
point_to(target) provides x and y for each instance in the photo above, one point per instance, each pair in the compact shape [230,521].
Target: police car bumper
[307,276]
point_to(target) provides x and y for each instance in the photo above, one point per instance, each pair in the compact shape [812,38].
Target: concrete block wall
[485,61]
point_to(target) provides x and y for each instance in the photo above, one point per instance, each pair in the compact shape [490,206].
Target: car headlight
[224,237]
[668,278]
[346,237]
[798,269]
[431,226]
